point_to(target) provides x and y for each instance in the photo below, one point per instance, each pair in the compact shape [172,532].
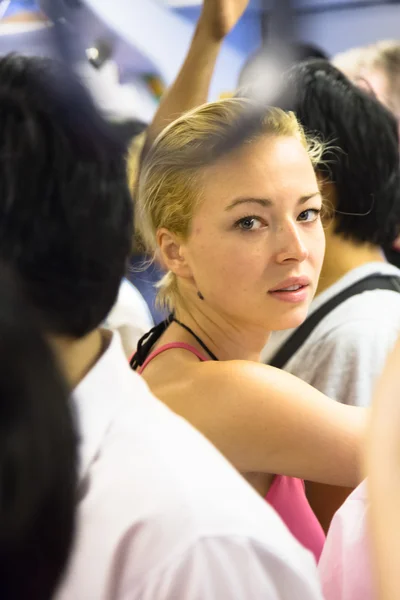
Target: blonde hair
[383,56]
[135,150]
[169,187]
[133,160]
[352,61]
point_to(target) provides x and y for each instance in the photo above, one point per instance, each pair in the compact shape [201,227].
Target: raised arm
[191,87]
[383,467]
[266,420]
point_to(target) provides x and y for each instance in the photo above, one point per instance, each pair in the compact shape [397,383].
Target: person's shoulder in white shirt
[130,316]
[162,515]
[346,351]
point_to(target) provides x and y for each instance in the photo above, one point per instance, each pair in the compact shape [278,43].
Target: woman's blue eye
[249,224]
[309,215]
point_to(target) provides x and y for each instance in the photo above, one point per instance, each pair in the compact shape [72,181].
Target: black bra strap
[196,337]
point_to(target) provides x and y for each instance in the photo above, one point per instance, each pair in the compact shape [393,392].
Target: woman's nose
[290,244]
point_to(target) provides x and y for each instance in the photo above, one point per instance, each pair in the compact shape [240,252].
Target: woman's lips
[293,296]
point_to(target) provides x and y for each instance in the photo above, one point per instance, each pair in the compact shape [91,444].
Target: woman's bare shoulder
[242,376]
[237,383]
[260,417]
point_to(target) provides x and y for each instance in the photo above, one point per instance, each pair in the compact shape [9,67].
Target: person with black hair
[38,456]
[27,30]
[342,352]
[161,514]
[360,182]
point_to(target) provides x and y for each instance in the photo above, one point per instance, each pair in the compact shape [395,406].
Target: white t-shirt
[347,350]
[162,515]
[130,316]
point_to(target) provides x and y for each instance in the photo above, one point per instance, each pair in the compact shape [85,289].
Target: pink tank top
[286,494]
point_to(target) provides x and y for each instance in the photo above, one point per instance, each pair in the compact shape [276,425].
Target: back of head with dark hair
[365,166]
[38,448]
[65,209]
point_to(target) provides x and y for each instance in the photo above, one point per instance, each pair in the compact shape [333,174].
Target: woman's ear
[171,251]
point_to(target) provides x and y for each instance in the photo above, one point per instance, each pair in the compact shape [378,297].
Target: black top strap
[297,339]
[196,337]
[146,343]
[150,338]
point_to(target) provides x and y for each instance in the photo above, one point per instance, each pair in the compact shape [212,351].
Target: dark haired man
[360,180]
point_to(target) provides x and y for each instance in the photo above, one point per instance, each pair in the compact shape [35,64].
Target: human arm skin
[191,87]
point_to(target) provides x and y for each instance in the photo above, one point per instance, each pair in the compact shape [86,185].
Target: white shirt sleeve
[345,564]
[226,569]
[345,363]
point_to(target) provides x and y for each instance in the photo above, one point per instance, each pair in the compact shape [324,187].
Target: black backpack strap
[297,339]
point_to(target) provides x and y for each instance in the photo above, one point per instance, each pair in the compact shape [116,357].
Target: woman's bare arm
[265,420]
[191,87]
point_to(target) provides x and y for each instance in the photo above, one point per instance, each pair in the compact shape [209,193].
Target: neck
[226,339]
[77,357]
[342,256]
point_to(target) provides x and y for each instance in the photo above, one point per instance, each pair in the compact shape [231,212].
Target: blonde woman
[234,213]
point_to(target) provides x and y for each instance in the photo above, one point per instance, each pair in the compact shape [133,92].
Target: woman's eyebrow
[266,202]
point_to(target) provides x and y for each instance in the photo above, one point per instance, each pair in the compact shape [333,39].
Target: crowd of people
[247,444]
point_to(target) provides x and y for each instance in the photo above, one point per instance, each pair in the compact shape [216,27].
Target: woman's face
[256,244]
